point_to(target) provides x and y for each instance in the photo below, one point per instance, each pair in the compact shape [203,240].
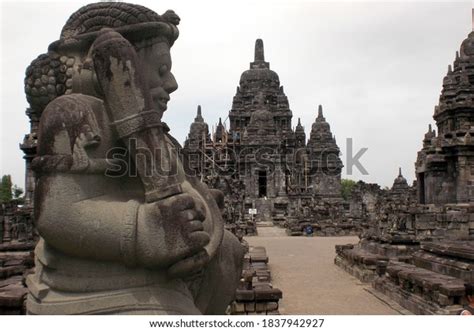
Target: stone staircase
[420,290]
[425,280]
[264,210]
[433,281]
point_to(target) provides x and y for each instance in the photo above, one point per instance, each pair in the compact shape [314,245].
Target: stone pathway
[303,268]
[270,231]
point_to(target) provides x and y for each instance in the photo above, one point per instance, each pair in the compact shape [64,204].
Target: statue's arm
[110,228]
[92,228]
[73,211]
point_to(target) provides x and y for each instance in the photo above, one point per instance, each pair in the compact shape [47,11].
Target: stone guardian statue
[124,228]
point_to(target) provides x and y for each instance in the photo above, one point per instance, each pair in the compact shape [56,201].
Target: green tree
[17,192]
[6,189]
[346,187]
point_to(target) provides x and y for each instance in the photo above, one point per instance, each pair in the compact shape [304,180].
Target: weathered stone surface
[244,295]
[443,293]
[268,294]
[12,296]
[448,266]
[459,249]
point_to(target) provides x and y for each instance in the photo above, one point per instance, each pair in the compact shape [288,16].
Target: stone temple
[269,163]
[444,165]
[419,247]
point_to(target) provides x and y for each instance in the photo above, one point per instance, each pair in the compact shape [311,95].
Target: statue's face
[156,62]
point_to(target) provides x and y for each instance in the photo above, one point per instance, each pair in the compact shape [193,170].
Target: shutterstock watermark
[134,160]
[354,160]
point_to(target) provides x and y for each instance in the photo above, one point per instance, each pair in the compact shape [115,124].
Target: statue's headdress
[50,74]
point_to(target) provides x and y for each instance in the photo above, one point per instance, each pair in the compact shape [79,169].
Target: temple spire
[199,117]
[320,113]
[259,57]
[430,128]
[400,172]
[472,19]
[259,51]
[299,121]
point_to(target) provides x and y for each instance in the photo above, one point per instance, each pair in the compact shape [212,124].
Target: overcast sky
[376,68]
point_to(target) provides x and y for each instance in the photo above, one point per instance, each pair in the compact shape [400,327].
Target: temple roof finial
[259,51]
[299,121]
[199,117]
[320,111]
[430,128]
[399,171]
[472,19]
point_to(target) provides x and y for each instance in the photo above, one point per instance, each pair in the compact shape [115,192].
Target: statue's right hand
[171,230]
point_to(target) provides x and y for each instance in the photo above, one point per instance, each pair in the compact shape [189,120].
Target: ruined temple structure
[363,202]
[420,249]
[16,227]
[17,241]
[383,213]
[261,161]
[17,233]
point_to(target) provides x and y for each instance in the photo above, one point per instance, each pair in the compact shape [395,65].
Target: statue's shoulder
[67,122]
[71,107]
[174,142]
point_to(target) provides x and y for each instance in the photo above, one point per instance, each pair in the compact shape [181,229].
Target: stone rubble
[255,294]
[17,242]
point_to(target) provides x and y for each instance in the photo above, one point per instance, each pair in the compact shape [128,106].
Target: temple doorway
[262,183]
[421,192]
